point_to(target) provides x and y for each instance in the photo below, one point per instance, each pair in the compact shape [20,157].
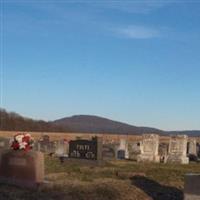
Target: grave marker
[178,149]
[25,169]
[90,150]
[122,150]
[192,147]
[108,151]
[134,150]
[149,148]
[192,187]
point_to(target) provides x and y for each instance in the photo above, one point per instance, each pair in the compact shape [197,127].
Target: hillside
[11,121]
[94,124]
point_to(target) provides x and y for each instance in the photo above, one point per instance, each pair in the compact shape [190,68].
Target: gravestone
[192,147]
[4,143]
[121,154]
[178,149]
[163,152]
[149,148]
[108,151]
[122,150]
[62,147]
[86,150]
[198,150]
[45,145]
[192,187]
[46,138]
[134,150]
[25,169]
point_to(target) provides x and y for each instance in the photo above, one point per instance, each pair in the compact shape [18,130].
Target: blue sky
[133,61]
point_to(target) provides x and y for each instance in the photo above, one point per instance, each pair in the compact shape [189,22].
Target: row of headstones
[27,169]
[149,149]
[44,145]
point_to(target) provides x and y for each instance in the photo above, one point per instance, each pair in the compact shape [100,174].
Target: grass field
[120,180]
[73,136]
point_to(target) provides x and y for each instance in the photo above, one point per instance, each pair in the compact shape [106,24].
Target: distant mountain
[11,121]
[94,124]
[188,132]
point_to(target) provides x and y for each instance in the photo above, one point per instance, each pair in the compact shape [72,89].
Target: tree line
[11,121]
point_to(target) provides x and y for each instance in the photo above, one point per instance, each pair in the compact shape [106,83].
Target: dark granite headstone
[192,187]
[83,149]
[121,154]
[86,149]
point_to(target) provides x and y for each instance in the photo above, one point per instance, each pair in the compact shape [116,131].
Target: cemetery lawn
[120,180]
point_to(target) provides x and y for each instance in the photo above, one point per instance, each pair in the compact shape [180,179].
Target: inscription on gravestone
[2,144]
[83,149]
[178,149]
[17,161]
[25,169]
[149,143]
[149,148]
[108,151]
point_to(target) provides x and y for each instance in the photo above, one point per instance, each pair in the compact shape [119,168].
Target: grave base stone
[177,159]
[192,187]
[25,169]
[148,158]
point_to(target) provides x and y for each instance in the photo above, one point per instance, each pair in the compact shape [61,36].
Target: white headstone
[178,149]
[149,148]
[192,147]
[123,146]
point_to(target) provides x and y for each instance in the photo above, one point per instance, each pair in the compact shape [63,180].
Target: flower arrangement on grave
[22,141]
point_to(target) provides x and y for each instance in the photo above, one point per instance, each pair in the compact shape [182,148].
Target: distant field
[71,136]
[117,180]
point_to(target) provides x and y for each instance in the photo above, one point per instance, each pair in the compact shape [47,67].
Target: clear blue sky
[133,61]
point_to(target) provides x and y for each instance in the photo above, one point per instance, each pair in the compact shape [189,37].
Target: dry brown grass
[120,180]
[72,136]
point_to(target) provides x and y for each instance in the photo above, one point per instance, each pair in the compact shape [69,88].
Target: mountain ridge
[96,124]
[11,121]
[66,121]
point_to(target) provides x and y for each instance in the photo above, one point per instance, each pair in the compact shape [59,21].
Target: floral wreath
[22,141]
